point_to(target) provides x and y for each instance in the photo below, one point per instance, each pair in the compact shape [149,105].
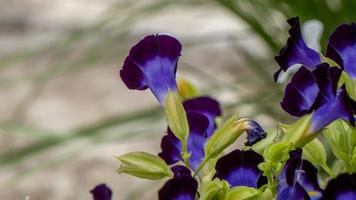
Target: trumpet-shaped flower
[152,63]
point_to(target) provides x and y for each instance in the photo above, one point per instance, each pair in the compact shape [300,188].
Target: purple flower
[181,187]
[340,188]
[152,63]
[239,168]
[201,113]
[101,192]
[296,51]
[316,92]
[342,48]
[298,179]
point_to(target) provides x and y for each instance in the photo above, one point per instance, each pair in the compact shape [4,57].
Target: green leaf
[176,117]
[261,145]
[243,193]
[144,165]
[266,195]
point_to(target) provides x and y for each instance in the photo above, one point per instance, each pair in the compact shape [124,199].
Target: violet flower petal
[181,187]
[152,62]
[300,93]
[342,48]
[296,51]
[206,105]
[239,168]
[340,188]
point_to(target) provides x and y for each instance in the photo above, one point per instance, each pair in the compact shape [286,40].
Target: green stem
[201,166]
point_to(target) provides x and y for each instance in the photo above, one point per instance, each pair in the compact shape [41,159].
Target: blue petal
[181,187]
[339,108]
[296,51]
[300,93]
[340,188]
[296,192]
[152,63]
[101,192]
[239,168]
[342,48]
[171,146]
[255,133]
[206,105]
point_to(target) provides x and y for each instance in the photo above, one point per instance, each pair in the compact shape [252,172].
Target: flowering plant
[291,165]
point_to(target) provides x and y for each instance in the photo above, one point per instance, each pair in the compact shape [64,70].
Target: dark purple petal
[132,76]
[181,187]
[298,172]
[255,133]
[296,51]
[180,171]
[339,108]
[296,192]
[340,188]
[342,48]
[206,105]
[300,93]
[239,168]
[101,192]
[327,79]
[171,146]
[152,62]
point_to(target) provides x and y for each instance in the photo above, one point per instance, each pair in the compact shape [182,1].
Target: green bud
[144,165]
[186,89]
[177,118]
[224,136]
[243,193]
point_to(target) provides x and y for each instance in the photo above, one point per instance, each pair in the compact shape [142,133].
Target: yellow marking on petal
[314,194]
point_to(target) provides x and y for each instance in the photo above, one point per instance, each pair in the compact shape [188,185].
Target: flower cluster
[193,155]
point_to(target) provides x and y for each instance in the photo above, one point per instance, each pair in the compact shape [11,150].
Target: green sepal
[186,89]
[277,152]
[267,194]
[315,152]
[214,190]
[243,193]
[224,137]
[177,121]
[260,146]
[299,133]
[144,165]
[342,140]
